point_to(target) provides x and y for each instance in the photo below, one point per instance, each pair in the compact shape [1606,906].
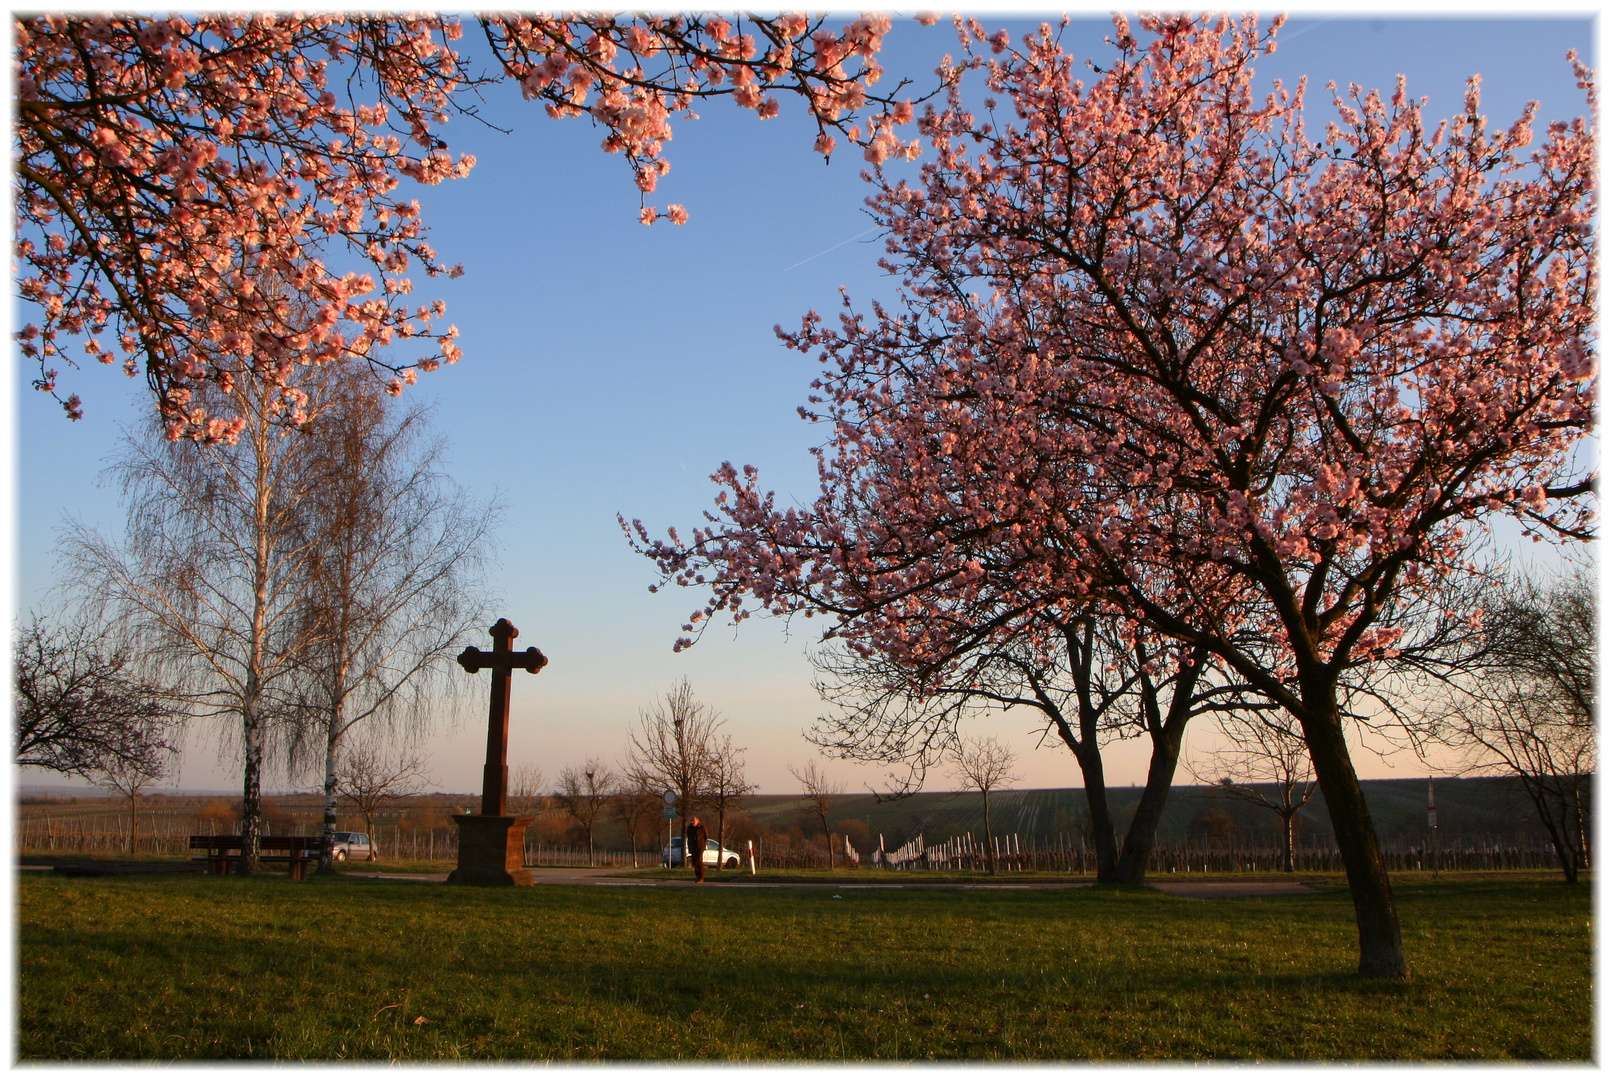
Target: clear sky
[609,367]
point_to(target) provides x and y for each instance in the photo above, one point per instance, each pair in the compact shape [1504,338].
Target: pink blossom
[304,169]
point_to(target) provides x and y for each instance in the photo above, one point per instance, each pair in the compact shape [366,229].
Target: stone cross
[501,660]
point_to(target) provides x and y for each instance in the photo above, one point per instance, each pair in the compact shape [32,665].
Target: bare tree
[583,793]
[727,787]
[984,765]
[1265,762]
[673,748]
[81,705]
[1528,707]
[525,797]
[637,808]
[394,570]
[128,776]
[369,779]
[820,794]
[214,567]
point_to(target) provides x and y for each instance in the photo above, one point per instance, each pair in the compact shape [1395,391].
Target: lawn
[191,967]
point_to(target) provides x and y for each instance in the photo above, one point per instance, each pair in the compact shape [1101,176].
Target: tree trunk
[1286,841]
[1581,820]
[251,792]
[990,838]
[374,841]
[1381,950]
[327,860]
[1142,835]
[1542,801]
[134,819]
[827,838]
[1096,801]
[590,844]
[1167,732]
[257,647]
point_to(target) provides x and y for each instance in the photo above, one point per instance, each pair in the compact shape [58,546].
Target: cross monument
[492,845]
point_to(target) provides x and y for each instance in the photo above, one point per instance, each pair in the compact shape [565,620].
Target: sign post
[1432,823]
[670,813]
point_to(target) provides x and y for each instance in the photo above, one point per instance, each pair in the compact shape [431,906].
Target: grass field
[190,967]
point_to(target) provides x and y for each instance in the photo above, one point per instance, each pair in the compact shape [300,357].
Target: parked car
[715,854]
[350,845]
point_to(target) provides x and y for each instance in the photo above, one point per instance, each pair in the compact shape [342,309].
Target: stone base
[492,851]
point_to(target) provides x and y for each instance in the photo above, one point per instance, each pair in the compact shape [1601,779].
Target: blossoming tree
[163,165]
[1162,347]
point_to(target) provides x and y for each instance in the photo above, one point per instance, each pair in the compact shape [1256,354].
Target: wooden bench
[223,852]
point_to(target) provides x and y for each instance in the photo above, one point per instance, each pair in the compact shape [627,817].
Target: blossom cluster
[634,75]
[221,197]
[179,184]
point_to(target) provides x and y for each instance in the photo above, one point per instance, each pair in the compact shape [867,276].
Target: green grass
[345,968]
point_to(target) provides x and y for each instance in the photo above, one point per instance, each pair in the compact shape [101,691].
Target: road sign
[668,813]
[670,797]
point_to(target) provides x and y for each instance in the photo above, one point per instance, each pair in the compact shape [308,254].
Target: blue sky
[610,367]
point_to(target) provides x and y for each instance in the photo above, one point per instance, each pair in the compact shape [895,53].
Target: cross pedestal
[492,844]
[492,851]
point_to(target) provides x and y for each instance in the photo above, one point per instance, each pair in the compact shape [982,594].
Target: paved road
[1199,888]
[582,875]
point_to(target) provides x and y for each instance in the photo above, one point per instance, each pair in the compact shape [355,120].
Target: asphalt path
[1207,888]
[1199,888]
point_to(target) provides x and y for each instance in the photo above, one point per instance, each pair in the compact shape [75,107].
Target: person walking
[693,847]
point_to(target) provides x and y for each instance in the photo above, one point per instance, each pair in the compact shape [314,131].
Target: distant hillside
[1479,807]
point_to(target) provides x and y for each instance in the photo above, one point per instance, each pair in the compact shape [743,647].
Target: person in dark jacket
[693,847]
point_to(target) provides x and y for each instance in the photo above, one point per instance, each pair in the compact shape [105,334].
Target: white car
[349,845]
[715,854]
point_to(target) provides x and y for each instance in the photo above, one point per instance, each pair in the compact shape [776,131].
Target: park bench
[224,851]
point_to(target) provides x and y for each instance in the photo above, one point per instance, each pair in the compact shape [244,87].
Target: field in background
[1473,807]
[188,967]
[1486,823]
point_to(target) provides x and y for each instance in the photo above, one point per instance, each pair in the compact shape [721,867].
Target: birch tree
[214,569]
[397,552]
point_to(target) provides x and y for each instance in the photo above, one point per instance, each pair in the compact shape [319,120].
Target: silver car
[349,845]
[715,854]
